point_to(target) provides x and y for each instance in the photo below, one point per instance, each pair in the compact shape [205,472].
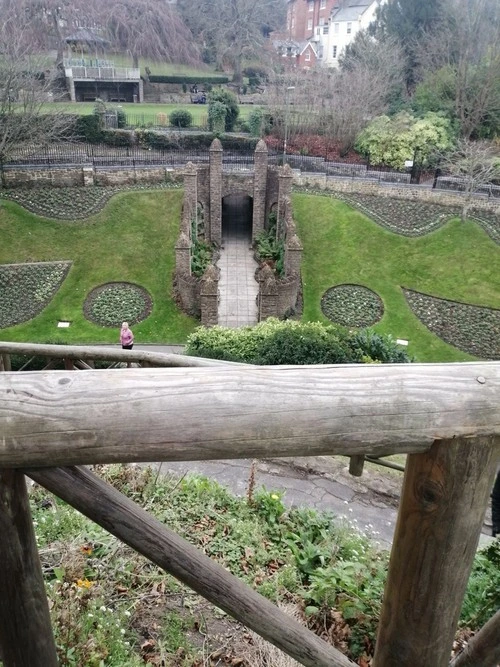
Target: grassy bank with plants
[110,607]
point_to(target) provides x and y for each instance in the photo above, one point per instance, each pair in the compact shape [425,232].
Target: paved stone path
[237,285]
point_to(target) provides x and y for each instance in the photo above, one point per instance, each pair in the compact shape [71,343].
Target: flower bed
[472,329]
[27,288]
[403,216]
[489,221]
[352,306]
[110,304]
[69,203]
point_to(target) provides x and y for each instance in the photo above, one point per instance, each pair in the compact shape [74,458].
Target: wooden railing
[445,416]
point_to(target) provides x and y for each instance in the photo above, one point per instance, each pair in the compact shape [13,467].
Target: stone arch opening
[237,217]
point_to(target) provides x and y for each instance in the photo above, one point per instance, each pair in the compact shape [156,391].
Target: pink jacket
[126,337]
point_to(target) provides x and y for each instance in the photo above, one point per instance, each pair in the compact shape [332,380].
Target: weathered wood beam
[444,498]
[26,638]
[141,531]
[356,465]
[91,352]
[484,648]
[68,418]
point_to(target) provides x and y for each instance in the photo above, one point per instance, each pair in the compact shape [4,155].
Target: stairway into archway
[238,288]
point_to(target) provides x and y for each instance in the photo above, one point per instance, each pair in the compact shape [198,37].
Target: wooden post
[444,498]
[134,526]
[5,364]
[484,648]
[26,638]
[356,465]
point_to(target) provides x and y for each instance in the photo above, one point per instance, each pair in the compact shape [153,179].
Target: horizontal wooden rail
[109,354]
[134,526]
[56,418]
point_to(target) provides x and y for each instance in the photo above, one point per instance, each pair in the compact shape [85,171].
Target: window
[310,5]
[308,55]
[336,27]
[334,54]
[322,4]
[318,31]
[293,22]
[309,24]
[322,21]
[349,28]
[325,30]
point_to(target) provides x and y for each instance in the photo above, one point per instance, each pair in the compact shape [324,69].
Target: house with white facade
[344,23]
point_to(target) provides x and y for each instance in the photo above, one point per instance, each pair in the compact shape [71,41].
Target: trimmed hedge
[180,78]
[275,342]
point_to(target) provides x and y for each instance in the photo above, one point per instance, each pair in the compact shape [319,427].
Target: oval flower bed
[473,329]
[110,304]
[352,306]
[27,288]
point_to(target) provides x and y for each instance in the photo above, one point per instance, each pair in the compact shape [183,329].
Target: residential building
[343,25]
[301,53]
[330,25]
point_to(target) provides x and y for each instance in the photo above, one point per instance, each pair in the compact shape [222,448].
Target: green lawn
[132,239]
[341,245]
[149,111]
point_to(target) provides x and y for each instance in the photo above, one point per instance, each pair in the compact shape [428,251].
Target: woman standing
[126,337]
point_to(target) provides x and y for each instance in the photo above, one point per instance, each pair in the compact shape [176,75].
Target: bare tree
[474,164]
[233,29]
[467,44]
[339,103]
[145,28]
[26,88]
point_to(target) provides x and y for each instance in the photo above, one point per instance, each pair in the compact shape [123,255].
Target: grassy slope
[341,245]
[132,239]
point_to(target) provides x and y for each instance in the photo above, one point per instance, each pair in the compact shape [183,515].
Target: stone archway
[237,217]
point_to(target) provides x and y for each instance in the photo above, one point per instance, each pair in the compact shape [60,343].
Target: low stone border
[472,329]
[25,289]
[352,305]
[113,303]
[71,203]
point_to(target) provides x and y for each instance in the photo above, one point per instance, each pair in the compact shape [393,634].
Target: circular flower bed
[473,329]
[352,306]
[113,303]
[25,289]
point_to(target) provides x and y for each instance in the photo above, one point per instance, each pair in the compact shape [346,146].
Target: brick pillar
[209,297]
[259,188]
[141,90]
[189,205]
[293,255]
[183,254]
[285,180]
[268,294]
[215,224]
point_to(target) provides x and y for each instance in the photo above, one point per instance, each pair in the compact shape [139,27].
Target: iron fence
[106,156]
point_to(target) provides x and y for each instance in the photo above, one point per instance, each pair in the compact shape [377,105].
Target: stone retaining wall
[414,192]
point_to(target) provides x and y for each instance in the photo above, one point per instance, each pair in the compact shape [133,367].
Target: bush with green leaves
[392,141]
[180,118]
[275,342]
[217,118]
[201,257]
[230,103]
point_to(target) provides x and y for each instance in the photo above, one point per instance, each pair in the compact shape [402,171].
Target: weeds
[110,606]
